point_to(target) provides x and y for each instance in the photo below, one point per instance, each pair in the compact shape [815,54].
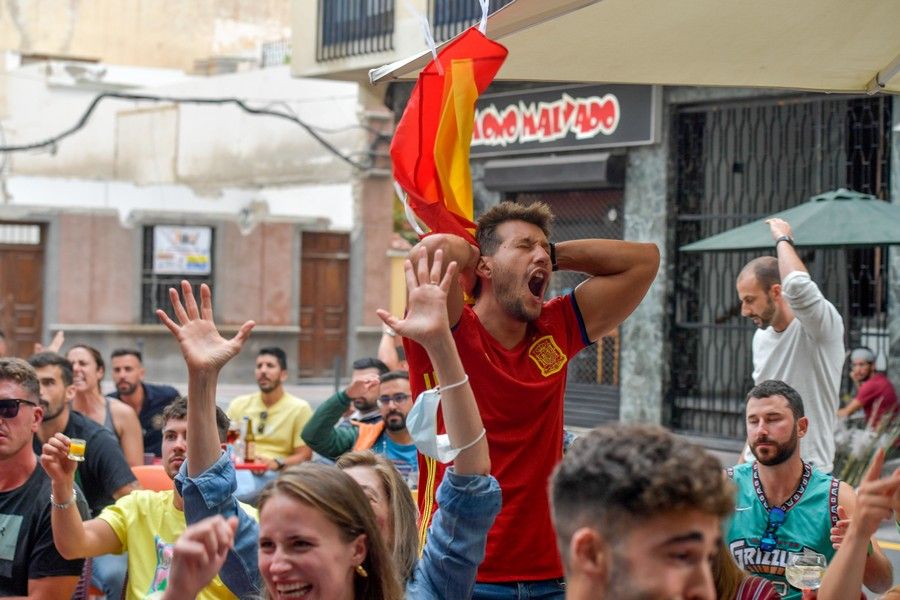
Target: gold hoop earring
[361,571]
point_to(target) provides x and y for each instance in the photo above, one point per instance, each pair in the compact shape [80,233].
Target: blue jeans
[109,572]
[547,589]
[250,484]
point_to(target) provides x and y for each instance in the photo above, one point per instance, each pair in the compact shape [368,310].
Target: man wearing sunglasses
[784,505]
[104,474]
[277,418]
[30,564]
[388,436]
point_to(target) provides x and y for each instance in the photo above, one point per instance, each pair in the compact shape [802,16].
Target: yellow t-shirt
[281,426]
[148,525]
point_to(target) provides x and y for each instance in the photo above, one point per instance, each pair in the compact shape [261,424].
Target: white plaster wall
[325,206]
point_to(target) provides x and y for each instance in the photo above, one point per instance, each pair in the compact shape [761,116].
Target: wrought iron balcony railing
[449,17]
[354,27]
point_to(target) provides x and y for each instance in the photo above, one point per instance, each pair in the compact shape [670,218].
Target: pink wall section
[98,277]
[255,273]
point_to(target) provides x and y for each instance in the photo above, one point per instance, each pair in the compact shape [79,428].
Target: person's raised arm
[620,275]
[320,433]
[73,537]
[205,353]
[788,259]
[847,572]
[454,249]
[427,323]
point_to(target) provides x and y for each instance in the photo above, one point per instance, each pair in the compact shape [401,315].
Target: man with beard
[785,506]
[799,340]
[104,474]
[277,419]
[147,399]
[875,393]
[145,523]
[30,565]
[387,436]
[515,348]
[632,522]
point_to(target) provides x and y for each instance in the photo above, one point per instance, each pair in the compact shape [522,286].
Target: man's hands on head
[455,249]
[204,349]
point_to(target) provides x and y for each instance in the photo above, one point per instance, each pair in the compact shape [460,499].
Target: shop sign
[565,118]
[182,250]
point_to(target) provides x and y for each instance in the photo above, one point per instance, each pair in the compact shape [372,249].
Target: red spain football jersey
[520,396]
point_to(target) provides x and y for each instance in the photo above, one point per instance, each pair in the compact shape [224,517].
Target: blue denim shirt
[212,493]
[456,544]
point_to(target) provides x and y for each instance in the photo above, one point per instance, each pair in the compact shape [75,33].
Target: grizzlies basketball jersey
[810,513]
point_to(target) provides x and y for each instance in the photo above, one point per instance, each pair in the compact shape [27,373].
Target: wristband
[553,265]
[64,505]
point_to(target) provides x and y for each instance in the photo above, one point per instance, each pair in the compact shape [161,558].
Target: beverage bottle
[249,443]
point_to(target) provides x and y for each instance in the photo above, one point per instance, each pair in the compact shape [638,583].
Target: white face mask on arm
[421,423]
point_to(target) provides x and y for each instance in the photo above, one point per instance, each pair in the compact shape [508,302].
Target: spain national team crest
[548,357]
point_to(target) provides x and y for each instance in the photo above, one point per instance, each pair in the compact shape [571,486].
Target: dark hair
[127,352]
[277,352]
[98,358]
[392,375]
[615,475]
[52,359]
[536,213]
[177,409]
[370,362]
[773,387]
[765,270]
[19,371]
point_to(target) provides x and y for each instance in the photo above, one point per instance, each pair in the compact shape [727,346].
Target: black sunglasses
[769,539]
[9,407]
[262,421]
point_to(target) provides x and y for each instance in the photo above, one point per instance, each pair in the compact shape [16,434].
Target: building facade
[711,159]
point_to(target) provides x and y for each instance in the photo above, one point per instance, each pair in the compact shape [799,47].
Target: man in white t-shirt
[800,339]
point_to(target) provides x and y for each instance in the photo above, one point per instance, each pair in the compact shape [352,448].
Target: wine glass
[805,570]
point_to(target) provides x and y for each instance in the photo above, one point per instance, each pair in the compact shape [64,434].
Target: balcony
[353,28]
[343,39]
[450,17]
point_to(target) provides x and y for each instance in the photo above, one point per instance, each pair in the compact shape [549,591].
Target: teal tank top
[810,513]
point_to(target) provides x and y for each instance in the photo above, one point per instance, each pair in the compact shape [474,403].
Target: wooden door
[21,286]
[324,278]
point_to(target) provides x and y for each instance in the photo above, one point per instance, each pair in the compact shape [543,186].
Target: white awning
[822,45]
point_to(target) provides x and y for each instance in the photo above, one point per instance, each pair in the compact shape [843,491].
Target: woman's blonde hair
[404,514]
[340,499]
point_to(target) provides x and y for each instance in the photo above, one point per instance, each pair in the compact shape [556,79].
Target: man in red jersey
[515,348]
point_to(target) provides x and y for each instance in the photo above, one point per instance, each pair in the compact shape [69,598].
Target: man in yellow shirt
[277,418]
[146,524]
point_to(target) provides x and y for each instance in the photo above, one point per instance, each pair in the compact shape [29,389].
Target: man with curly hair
[638,514]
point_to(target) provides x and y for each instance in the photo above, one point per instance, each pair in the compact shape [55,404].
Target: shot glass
[76,449]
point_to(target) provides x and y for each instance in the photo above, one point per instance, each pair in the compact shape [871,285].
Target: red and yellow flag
[430,149]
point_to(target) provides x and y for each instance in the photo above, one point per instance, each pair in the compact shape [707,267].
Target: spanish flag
[430,149]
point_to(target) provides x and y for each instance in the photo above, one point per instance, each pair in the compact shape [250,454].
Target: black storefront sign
[570,117]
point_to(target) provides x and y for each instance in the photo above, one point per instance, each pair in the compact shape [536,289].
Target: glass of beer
[76,449]
[805,570]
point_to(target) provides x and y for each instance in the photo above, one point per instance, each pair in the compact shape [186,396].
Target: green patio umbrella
[840,218]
